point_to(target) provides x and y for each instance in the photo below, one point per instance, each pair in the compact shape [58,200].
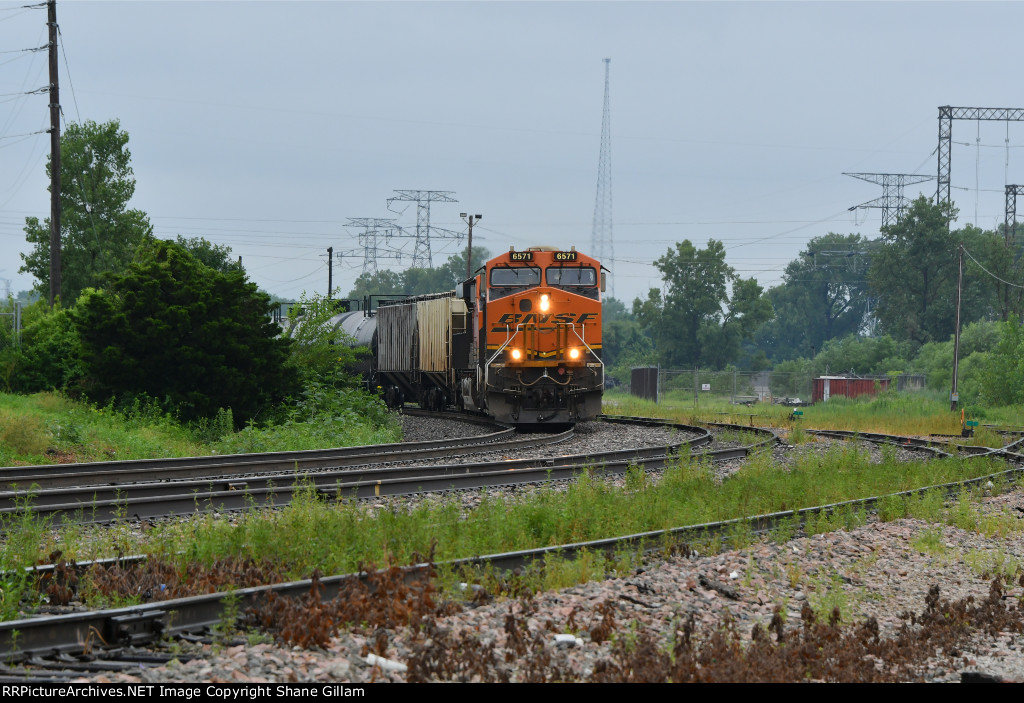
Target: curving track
[108,491]
[56,637]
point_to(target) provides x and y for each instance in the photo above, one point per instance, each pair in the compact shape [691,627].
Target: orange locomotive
[538,319]
[520,341]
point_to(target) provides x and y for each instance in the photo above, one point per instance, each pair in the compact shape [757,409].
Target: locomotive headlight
[574,353]
[516,354]
[545,303]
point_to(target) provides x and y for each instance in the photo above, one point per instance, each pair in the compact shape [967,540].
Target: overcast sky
[265,126]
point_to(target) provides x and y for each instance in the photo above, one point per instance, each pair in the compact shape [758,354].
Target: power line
[1014,285]
[21,51]
[74,98]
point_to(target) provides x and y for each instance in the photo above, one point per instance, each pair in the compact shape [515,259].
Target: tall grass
[311,534]
[888,413]
[47,428]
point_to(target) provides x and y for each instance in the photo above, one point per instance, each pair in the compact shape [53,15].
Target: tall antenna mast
[601,243]
[55,265]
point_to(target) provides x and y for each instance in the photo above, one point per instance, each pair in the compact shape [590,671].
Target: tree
[914,273]
[382,282]
[1003,276]
[455,266]
[613,310]
[322,351]
[697,322]
[216,256]
[824,295]
[98,233]
[48,357]
[1002,374]
[417,281]
[623,346]
[195,339]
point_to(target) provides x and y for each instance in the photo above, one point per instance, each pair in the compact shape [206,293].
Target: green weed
[988,564]
[930,541]
[828,596]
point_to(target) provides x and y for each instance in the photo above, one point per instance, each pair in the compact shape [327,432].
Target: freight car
[520,341]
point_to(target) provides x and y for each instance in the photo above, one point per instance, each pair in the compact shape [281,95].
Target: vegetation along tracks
[137,624]
[232,483]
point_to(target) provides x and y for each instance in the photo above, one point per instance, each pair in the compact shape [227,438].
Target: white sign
[705,386]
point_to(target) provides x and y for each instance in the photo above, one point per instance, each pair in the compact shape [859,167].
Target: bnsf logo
[563,318]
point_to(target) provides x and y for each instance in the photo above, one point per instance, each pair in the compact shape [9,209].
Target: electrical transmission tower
[421,257]
[1012,191]
[892,201]
[374,227]
[601,242]
[946,116]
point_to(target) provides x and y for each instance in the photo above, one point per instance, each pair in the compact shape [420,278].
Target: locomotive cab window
[506,280]
[571,276]
[578,279]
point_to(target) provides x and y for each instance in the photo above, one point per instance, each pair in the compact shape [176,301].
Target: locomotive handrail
[502,347]
[513,335]
[487,364]
[589,348]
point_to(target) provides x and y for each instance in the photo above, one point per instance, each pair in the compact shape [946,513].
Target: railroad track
[132,471]
[90,495]
[60,639]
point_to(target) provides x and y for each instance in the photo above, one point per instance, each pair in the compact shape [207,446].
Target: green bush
[197,339]
[49,357]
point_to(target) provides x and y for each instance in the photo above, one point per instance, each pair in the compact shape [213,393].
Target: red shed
[827,386]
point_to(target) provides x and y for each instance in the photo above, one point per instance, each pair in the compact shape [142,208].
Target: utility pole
[954,396]
[330,271]
[469,246]
[55,279]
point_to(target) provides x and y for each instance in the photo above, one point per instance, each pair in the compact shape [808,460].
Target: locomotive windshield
[581,280]
[504,276]
[571,276]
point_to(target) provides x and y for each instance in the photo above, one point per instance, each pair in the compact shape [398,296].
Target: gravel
[877,570]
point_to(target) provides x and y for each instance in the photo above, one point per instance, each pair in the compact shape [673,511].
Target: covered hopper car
[520,341]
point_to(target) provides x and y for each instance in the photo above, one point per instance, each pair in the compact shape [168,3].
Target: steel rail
[225,472]
[152,500]
[53,475]
[23,639]
[917,443]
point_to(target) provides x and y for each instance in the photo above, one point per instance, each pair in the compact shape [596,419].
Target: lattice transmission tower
[947,114]
[369,239]
[602,244]
[892,201]
[1010,233]
[421,256]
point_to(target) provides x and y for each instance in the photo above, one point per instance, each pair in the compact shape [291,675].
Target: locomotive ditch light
[545,303]
[574,353]
[516,354]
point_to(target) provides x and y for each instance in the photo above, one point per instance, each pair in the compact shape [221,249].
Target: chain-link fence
[694,386]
